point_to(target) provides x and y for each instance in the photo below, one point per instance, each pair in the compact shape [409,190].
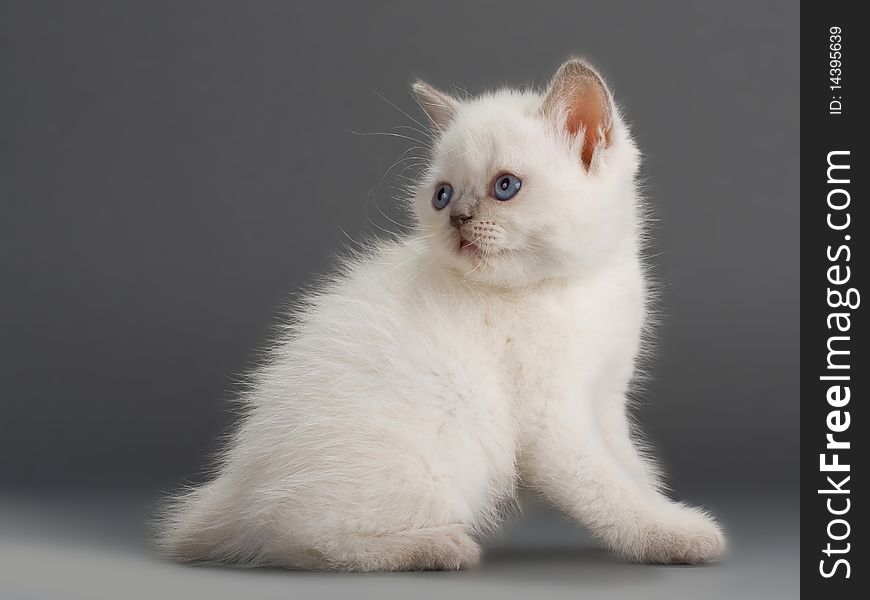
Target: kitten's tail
[202,524]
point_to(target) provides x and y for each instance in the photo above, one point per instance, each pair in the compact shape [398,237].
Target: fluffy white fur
[398,414]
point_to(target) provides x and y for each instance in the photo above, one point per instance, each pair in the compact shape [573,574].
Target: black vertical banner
[835,374]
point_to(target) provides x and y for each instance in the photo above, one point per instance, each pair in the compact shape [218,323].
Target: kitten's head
[525,186]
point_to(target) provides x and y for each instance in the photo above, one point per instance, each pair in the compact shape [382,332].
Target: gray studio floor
[74,546]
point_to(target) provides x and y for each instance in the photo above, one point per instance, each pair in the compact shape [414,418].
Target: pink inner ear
[588,110]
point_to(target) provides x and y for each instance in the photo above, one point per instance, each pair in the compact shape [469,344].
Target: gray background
[171,172]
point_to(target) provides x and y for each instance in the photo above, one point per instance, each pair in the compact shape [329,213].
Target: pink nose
[459,219]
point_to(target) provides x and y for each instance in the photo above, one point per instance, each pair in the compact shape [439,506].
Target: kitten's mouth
[467,247]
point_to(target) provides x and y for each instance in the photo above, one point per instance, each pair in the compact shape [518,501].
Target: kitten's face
[513,195]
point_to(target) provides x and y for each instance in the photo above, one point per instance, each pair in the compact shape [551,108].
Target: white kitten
[492,347]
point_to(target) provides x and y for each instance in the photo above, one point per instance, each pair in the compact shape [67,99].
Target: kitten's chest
[568,339]
[535,337]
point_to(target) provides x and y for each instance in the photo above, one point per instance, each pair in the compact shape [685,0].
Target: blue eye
[506,186]
[442,196]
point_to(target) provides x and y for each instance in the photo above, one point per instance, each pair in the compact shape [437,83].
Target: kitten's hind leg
[446,548]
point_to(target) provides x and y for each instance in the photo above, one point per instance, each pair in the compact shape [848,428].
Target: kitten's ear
[579,100]
[441,108]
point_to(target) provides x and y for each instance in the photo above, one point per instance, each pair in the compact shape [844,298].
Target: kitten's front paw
[686,536]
